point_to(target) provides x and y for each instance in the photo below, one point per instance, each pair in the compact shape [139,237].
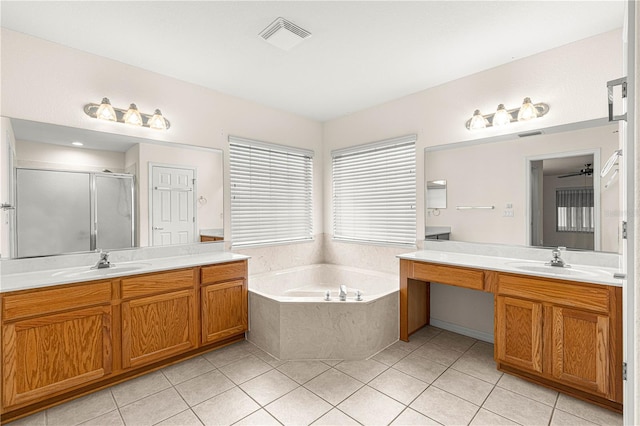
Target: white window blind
[374,192]
[271,193]
[575,210]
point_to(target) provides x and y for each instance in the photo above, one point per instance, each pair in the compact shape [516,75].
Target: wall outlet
[508,213]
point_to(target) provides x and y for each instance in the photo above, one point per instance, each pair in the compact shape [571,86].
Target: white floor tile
[370,407]
[259,418]
[335,417]
[303,371]
[81,409]
[411,417]
[420,368]
[333,386]
[127,392]
[364,370]
[185,418]
[186,370]
[398,385]
[444,407]
[487,418]
[518,408]
[153,409]
[528,389]
[465,386]
[203,387]
[590,412]
[245,369]
[299,407]
[268,387]
[226,408]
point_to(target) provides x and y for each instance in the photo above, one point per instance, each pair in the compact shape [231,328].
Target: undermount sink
[104,272]
[548,269]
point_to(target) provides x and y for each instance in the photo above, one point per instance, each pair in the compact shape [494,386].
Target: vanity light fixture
[503,116]
[132,116]
[105,111]
[478,121]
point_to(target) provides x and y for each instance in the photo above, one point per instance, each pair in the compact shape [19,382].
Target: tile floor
[438,378]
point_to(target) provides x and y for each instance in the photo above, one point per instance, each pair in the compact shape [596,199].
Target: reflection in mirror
[498,173]
[116,202]
[564,205]
[437,194]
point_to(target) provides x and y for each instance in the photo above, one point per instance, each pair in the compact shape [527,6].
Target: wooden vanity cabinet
[64,341]
[568,334]
[224,299]
[159,315]
[54,340]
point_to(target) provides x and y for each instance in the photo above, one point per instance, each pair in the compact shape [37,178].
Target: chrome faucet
[103,262]
[343,292]
[556,260]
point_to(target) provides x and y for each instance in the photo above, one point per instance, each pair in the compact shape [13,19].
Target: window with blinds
[374,192]
[271,193]
[575,210]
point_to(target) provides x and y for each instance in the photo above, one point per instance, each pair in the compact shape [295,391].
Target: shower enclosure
[67,211]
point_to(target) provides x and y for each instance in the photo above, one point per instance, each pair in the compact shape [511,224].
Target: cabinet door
[53,353]
[224,310]
[580,355]
[519,333]
[158,326]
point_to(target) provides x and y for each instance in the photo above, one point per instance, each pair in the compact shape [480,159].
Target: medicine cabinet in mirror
[543,190]
[112,192]
[437,194]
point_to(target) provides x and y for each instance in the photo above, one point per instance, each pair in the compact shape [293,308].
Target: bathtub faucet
[343,292]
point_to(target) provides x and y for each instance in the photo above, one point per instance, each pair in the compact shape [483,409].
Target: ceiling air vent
[284,34]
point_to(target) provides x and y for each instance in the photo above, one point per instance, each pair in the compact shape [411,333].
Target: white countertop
[581,273]
[45,278]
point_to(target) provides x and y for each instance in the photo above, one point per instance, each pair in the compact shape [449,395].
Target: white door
[172,205]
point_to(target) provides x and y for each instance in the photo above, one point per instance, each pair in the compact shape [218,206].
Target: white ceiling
[360,53]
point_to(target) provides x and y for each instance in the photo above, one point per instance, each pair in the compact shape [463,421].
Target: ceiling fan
[587,171]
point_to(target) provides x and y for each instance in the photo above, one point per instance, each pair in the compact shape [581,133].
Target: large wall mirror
[544,190]
[111,192]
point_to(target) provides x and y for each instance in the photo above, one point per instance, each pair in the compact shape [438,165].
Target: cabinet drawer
[48,300]
[144,285]
[223,272]
[452,275]
[587,296]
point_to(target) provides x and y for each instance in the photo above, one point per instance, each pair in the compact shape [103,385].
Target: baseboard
[476,334]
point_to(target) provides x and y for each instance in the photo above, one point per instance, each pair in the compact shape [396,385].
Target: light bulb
[527,110]
[477,121]
[105,111]
[501,117]
[132,116]
[157,121]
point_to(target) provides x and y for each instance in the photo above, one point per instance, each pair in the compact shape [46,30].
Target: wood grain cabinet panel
[451,275]
[580,351]
[223,272]
[53,353]
[519,332]
[157,327]
[224,310]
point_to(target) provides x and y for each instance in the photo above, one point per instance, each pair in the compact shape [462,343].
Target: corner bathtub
[289,318]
